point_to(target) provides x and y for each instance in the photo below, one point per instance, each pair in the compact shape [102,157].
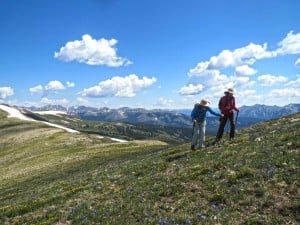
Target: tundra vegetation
[49,176]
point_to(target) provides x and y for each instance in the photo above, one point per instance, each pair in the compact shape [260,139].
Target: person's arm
[212,112]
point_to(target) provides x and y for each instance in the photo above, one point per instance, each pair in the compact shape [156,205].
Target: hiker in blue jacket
[198,116]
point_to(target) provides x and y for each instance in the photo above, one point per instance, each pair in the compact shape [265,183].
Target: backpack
[226,104]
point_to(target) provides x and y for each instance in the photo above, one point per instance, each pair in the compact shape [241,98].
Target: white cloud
[215,82]
[277,97]
[6,92]
[244,70]
[209,78]
[48,101]
[209,73]
[200,68]
[297,63]
[285,95]
[248,97]
[294,83]
[290,44]
[119,86]
[70,84]
[82,101]
[242,56]
[246,93]
[242,82]
[36,89]
[163,102]
[92,52]
[54,86]
[285,92]
[270,80]
[191,89]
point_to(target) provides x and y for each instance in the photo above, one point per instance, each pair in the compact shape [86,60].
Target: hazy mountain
[173,118]
[268,112]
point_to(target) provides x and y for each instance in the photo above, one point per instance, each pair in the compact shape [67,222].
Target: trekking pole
[236,118]
[193,129]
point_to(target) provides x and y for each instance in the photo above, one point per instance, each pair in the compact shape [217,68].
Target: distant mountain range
[265,112]
[172,118]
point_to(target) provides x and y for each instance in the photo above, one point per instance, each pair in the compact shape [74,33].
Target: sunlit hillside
[50,176]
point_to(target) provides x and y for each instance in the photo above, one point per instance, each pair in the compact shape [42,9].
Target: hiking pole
[193,129]
[236,117]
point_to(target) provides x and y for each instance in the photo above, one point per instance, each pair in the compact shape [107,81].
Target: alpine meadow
[51,176]
[150,112]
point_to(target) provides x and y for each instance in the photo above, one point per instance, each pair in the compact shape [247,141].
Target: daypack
[198,112]
[226,104]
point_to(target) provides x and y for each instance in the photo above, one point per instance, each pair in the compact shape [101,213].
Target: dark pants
[223,122]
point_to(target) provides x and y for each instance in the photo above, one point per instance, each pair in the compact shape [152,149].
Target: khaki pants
[199,135]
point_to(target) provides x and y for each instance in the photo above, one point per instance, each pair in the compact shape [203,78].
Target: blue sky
[149,53]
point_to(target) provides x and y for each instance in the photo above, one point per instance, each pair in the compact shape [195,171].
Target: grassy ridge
[62,178]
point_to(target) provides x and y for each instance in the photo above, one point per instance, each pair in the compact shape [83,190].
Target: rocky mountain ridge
[172,118]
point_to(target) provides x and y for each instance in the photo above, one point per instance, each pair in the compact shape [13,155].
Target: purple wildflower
[201,216]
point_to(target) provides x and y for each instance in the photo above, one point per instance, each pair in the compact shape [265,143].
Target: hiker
[198,116]
[227,105]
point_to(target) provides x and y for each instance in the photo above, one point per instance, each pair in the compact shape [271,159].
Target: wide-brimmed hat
[204,102]
[229,90]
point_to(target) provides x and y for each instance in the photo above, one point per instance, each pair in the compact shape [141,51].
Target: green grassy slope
[48,176]
[121,130]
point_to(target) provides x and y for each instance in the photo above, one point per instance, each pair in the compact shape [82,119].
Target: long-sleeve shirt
[227,104]
[199,112]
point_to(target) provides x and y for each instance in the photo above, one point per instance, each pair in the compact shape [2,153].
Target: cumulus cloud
[92,52]
[48,101]
[294,83]
[285,95]
[191,89]
[246,93]
[82,101]
[241,82]
[290,44]
[248,97]
[244,70]
[54,86]
[36,89]
[270,80]
[70,84]
[208,73]
[163,102]
[297,63]
[286,92]
[119,86]
[242,56]
[6,92]
[214,81]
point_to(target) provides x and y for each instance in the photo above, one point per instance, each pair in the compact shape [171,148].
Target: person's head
[229,91]
[204,103]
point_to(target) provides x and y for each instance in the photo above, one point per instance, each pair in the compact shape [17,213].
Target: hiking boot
[217,142]
[193,148]
[231,139]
